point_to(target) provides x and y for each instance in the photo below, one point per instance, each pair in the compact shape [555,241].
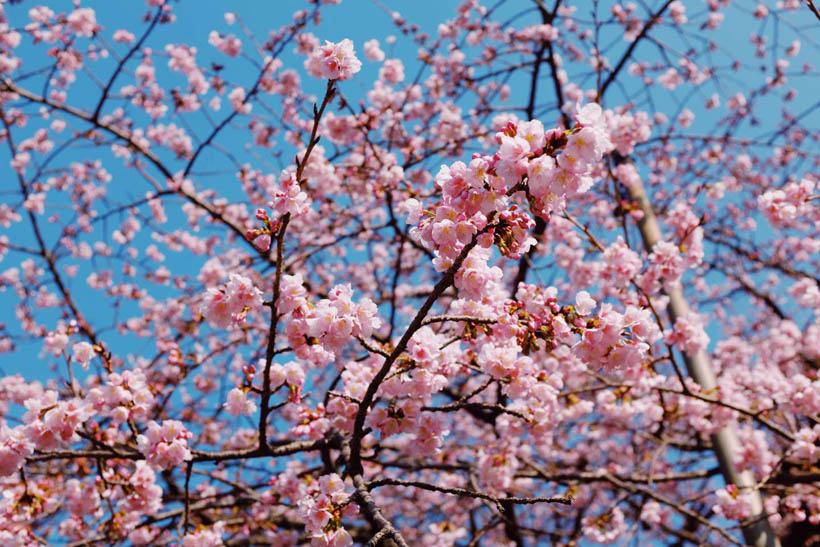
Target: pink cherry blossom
[82,21]
[333,61]
[688,334]
[82,353]
[372,51]
[531,278]
[165,445]
[14,448]
[238,403]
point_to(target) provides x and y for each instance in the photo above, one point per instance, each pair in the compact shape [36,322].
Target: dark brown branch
[468,493]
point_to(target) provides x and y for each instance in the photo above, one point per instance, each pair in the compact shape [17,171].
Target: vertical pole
[725,442]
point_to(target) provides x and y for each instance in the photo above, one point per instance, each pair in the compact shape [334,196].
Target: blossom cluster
[238,403]
[231,304]
[549,166]
[52,423]
[322,510]
[318,330]
[783,207]
[333,61]
[165,445]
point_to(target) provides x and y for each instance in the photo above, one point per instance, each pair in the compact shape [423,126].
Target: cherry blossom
[333,61]
[165,445]
[537,274]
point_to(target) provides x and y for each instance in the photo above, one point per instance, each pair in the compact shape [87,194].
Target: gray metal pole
[725,442]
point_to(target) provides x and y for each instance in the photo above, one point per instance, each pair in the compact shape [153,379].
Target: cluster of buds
[510,232]
[532,330]
[535,310]
[261,237]
[541,323]
[249,371]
